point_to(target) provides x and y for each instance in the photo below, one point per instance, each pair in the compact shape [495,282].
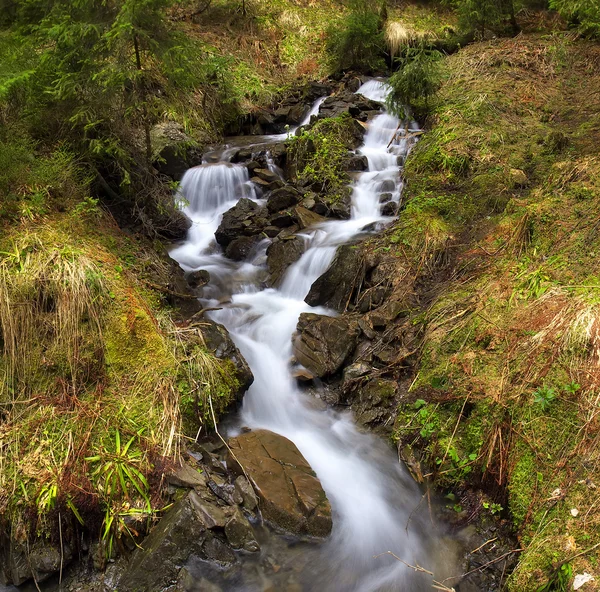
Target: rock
[372,405]
[306,218]
[283,198]
[187,476]
[323,343]
[357,163]
[518,178]
[283,220]
[178,535]
[197,279]
[218,551]
[291,497]
[371,298]
[174,152]
[385,197]
[240,248]
[239,532]
[232,225]
[217,340]
[280,255]
[386,186]
[211,515]
[389,209]
[266,175]
[336,286]
[249,499]
[356,370]
[41,561]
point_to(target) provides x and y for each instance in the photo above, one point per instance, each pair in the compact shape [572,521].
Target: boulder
[306,218]
[283,198]
[198,278]
[389,209]
[281,254]
[291,497]
[373,401]
[336,286]
[239,532]
[217,340]
[18,563]
[323,343]
[242,219]
[156,563]
[357,163]
[240,248]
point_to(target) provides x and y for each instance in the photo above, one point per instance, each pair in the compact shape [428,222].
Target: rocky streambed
[297,495]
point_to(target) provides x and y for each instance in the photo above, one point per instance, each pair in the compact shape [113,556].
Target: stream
[377,507]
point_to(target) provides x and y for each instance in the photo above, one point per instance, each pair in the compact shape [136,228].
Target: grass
[505,267]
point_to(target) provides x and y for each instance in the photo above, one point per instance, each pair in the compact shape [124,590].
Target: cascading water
[373,498]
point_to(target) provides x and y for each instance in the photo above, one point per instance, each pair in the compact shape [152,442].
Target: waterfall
[373,498]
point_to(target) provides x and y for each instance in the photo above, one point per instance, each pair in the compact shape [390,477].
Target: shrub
[357,43]
[415,82]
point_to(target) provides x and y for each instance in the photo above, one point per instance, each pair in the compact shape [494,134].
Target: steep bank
[496,250]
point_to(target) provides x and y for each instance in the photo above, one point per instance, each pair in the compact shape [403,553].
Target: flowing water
[376,505]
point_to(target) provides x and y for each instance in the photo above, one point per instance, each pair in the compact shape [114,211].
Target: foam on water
[372,496]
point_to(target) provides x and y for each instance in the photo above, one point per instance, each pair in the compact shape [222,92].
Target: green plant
[357,42]
[492,507]
[543,396]
[559,580]
[417,79]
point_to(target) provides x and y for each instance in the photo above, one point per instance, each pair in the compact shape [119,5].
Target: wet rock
[239,220]
[18,563]
[218,551]
[240,248]
[211,515]
[372,405]
[389,209]
[336,286]
[197,279]
[217,340]
[385,197]
[282,220]
[242,155]
[271,231]
[249,499]
[322,343]
[291,497]
[283,198]
[266,175]
[280,255]
[357,163]
[386,186]
[187,476]
[179,534]
[342,207]
[306,218]
[372,298]
[239,532]
[356,370]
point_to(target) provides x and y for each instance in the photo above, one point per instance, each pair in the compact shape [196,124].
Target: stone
[156,563]
[306,218]
[232,225]
[389,209]
[373,401]
[357,163]
[356,370]
[323,343]
[291,497]
[243,487]
[217,340]
[280,255]
[385,197]
[198,278]
[283,198]
[283,220]
[386,186]
[239,532]
[240,248]
[266,175]
[217,551]
[336,286]
[211,515]
[518,178]
[187,476]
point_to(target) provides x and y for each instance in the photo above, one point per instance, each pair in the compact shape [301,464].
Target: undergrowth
[502,210]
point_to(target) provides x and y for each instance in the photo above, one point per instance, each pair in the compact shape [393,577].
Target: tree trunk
[143,96]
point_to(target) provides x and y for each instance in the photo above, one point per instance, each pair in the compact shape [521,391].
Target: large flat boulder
[322,344]
[281,254]
[290,495]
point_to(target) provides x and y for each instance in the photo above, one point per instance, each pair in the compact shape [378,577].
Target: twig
[166,290]
[484,544]
[485,565]
[415,567]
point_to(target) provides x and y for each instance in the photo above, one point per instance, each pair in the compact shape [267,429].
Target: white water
[371,494]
